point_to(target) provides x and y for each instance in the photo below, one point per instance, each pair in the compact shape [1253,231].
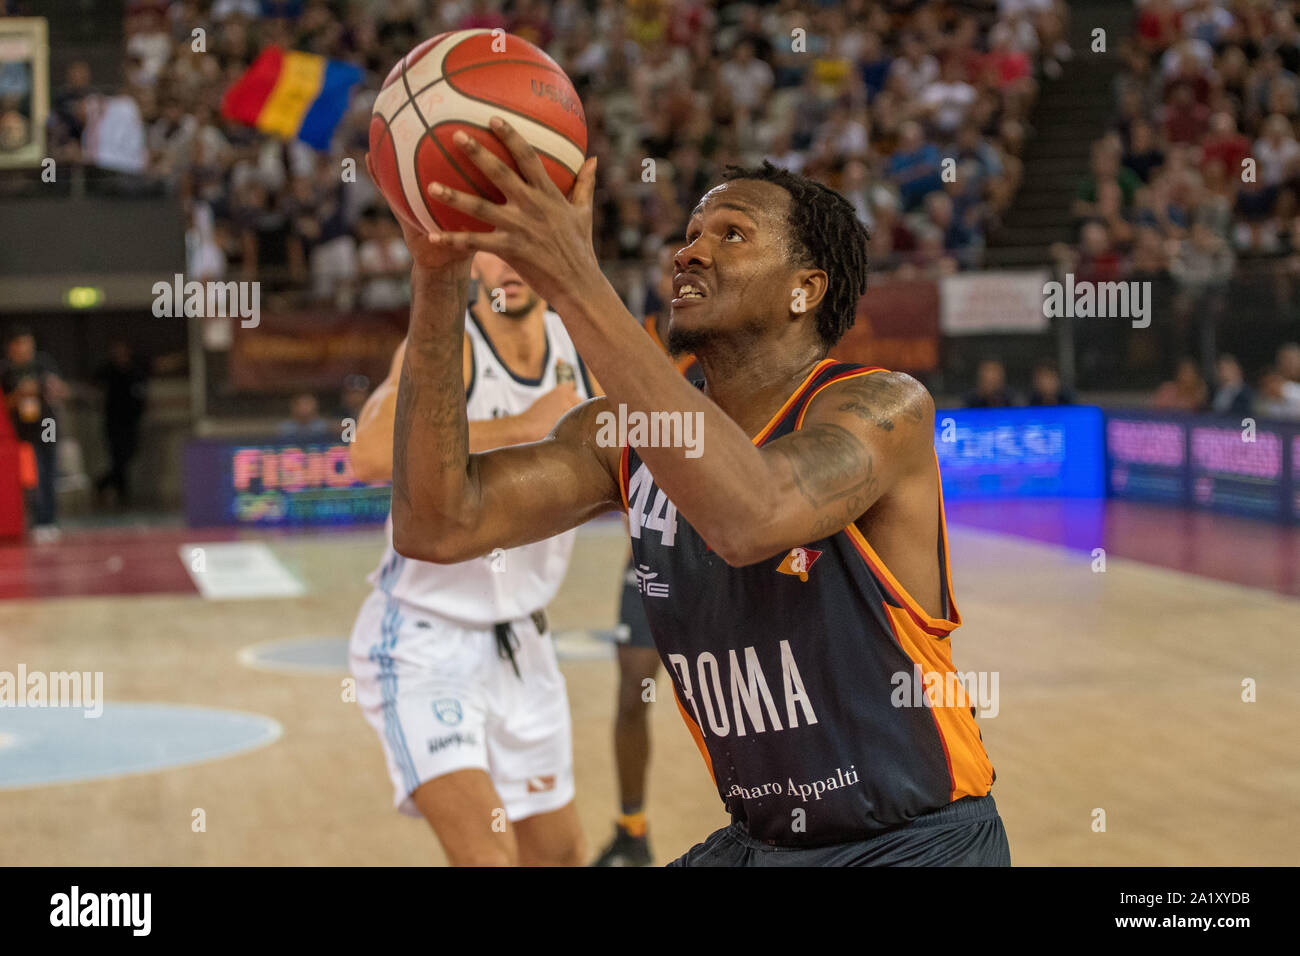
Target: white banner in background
[976,303]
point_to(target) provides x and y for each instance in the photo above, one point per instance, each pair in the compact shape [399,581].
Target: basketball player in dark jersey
[638,660]
[794,562]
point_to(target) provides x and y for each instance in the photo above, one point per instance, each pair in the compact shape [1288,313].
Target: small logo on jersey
[448,710]
[489,372]
[541,784]
[564,372]
[799,561]
[648,587]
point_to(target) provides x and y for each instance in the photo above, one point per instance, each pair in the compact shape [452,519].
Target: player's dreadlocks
[828,235]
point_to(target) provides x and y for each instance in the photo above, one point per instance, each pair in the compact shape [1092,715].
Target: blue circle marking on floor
[53,745]
[300,655]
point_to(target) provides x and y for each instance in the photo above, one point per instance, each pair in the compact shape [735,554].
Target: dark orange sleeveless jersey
[787,671]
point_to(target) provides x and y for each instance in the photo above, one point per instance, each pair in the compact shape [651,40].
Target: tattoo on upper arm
[831,467]
[879,398]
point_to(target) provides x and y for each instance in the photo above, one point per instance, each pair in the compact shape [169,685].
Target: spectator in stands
[875,63]
[1187,392]
[1157,25]
[978,162]
[1278,397]
[1286,40]
[929,260]
[1047,388]
[842,139]
[1256,208]
[333,255]
[914,168]
[1272,86]
[1094,260]
[1105,166]
[352,397]
[915,69]
[30,379]
[384,262]
[304,422]
[749,78]
[1014,30]
[1203,262]
[1276,152]
[1232,396]
[1144,154]
[1216,200]
[1288,361]
[256,222]
[113,137]
[1010,69]
[960,234]
[67,114]
[124,381]
[1150,261]
[990,387]
[1224,144]
[1110,212]
[1284,391]
[945,102]
[1186,119]
[1233,69]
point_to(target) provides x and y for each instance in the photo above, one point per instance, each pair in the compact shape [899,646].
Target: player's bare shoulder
[892,403]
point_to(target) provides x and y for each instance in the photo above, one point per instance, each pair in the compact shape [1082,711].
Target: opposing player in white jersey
[455,666]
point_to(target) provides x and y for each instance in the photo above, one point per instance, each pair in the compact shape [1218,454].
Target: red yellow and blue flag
[292,94]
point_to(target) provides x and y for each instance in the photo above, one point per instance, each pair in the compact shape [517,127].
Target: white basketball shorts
[442,699]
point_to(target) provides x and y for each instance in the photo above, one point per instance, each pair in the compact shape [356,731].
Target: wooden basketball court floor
[1120,691]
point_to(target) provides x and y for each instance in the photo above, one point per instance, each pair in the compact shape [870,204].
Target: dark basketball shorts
[967,832]
[633,628]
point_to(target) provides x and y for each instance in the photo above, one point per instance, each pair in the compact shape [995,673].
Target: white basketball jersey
[506,584]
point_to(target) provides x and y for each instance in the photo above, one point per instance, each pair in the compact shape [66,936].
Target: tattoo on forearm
[407,400]
[430,399]
[880,398]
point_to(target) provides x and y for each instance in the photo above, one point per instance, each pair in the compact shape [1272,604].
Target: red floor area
[1238,550]
[117,561]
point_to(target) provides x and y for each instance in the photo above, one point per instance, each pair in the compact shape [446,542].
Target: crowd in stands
[1200,168]
[992,391]
[1276,397]
[915,111]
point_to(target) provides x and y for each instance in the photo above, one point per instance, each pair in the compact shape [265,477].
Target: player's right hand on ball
[548,408]
[423,252]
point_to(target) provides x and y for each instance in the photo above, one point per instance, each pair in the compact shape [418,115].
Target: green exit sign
[84,297]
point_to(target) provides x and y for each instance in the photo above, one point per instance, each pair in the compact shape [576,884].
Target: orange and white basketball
[459,81]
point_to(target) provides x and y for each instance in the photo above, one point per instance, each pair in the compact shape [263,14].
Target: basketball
[459,81]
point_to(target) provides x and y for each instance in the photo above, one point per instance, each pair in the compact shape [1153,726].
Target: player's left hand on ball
[545,236]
